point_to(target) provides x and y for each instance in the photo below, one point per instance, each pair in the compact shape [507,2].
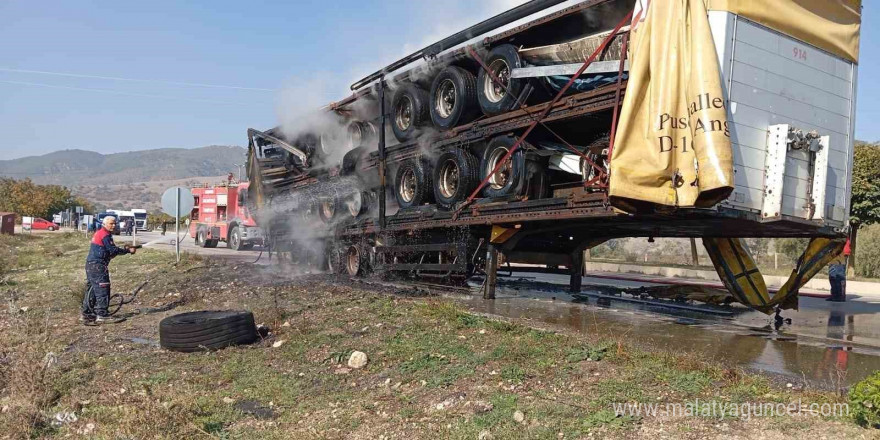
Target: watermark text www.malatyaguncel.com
[746,410]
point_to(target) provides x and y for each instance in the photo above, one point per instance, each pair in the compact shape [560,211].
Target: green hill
[78,167]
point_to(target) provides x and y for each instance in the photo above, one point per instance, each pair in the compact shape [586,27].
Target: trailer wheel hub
[493,91]
[355,204]
[499,180]
[403,113]
[449,177]
[445,99]
[353,261]
[408,185]
[328,208]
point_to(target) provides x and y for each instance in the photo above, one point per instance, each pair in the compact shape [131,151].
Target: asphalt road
[155,240]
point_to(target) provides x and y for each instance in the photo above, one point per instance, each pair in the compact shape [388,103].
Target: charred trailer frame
[554,219]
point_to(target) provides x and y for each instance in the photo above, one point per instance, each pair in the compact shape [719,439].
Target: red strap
[549,107]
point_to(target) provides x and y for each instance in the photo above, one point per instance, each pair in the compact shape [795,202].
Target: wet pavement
[155,240]
[829,345]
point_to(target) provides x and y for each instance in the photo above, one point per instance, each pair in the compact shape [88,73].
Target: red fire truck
[220,213]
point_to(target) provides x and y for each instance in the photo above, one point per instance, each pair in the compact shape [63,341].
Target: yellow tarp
[673,141]
[740,274]
[832,25]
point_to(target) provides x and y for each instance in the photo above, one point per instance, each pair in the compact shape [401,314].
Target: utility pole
[177,228]
[240,166]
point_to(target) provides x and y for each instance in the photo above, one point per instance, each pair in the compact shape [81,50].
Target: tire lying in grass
[207,330]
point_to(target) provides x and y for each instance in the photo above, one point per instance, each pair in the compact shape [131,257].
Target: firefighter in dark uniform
[837,274]
[97,295]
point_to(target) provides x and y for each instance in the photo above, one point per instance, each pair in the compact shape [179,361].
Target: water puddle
[143,341]
[828,345]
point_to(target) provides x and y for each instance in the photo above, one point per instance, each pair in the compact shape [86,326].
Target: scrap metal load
[553,127]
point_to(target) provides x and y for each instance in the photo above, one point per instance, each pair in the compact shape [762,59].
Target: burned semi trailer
[537,134]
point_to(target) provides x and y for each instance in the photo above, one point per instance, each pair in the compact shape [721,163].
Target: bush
[868,252]
[864,401]
[792,248]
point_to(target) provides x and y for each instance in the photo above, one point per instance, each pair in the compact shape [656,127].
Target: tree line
[26,198]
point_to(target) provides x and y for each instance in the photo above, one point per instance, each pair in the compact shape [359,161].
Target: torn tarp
[673,142]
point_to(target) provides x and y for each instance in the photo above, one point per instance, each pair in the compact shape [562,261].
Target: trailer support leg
[491,272]
[576,270]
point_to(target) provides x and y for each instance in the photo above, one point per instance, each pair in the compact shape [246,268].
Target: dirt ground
[434,371]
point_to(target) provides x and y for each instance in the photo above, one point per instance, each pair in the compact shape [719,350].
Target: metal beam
[568,69]
[576,271]
[382,164]
[539,258]
[502,19]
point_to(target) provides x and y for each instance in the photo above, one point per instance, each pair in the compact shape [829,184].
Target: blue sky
[312,50]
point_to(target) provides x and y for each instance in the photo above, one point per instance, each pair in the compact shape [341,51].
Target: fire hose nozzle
[136,246]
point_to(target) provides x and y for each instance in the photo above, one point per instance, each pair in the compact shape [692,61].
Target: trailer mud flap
[741,276]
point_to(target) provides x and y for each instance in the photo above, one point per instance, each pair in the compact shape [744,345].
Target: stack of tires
[458,97]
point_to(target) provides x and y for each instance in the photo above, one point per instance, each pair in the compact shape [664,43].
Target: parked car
[42,224]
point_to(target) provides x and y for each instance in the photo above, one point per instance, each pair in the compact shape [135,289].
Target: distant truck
[140,219]
[220,213]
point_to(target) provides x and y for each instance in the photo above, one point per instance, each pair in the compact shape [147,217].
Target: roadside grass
[435,370]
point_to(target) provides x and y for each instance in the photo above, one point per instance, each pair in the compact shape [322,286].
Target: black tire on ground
[409,111]
[453,98]
[234,241]
[212,243]
[51,228]
[508,179]
[493,99]
[206,330]
[201,238]
[456,175]
[412,184]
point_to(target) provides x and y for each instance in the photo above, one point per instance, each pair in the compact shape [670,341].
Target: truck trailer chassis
[426,241]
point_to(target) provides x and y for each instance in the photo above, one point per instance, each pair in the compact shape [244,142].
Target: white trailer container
[792,115]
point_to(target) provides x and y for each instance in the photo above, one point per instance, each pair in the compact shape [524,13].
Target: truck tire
[409,111]
[334,260]
[412,184]
[356,204]
[509,178]
[353,261]
[453,98]
[234,241]
[328,209]
[206,330]
[456,175]
[361,134]
[493,99]
[212,243]
[201,238]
